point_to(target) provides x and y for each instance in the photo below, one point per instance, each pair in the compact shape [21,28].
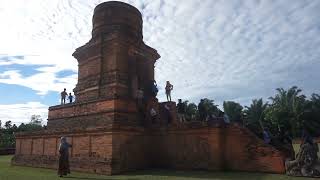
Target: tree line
[288,110]
[7,130]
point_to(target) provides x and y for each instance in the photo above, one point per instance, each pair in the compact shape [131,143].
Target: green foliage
[29,127]
[7,135]
[289,110]
[210,107]
[255,115]
[191,111]
[206,107]
[36,120]
[8,125]
[233,110]
[7,139]
[311,116]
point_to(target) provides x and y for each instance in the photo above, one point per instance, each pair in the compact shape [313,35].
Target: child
[70,97]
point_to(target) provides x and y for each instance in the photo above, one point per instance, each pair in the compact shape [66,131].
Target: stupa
[108,126]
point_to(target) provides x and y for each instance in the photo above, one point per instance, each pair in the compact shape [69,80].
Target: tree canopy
[7,139]
[289,109]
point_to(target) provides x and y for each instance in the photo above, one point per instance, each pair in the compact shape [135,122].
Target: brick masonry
[112,151]
[110,130]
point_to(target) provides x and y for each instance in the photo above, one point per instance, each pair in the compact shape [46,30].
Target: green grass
[8,172]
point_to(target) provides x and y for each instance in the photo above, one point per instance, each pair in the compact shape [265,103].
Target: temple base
[113,151]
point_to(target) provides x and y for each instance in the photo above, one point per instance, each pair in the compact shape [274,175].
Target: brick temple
[107,127]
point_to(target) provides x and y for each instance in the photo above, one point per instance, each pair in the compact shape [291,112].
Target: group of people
[168,88]
[147,101]
[65,95]
[204,115]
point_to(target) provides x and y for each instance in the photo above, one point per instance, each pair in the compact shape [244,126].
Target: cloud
[42,82]
[21,113]
[225,50]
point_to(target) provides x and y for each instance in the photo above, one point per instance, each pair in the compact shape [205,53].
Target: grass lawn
[8,172]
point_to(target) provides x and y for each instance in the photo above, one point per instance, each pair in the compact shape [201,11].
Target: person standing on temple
[64,94]
[70,97]
[181,108]
[64,167]
[154,88]
[169,88]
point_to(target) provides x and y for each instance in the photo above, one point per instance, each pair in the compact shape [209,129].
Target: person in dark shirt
[154,88]
[64,168]
[70,97]
[181,108]
[64,94]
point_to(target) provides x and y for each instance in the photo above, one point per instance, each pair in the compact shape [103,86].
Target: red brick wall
[90,152]
[18,147]
[80,146]
[118,150]
[101,146]
[231,148]
[90,68]
[26,146]
[37,147]
[244,151]
[129,151]
[50,146]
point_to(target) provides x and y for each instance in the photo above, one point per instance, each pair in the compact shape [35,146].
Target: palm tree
[210,107]
[311,117]
[233,110]
[288,107]
[255,115]
[191,110]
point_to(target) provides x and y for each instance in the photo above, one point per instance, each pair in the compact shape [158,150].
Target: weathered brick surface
[246,152]
[214,148]
[26,146]
[18,147]
[91,152]
[108,134]
[129,151]
[50,146]
[91,114]
[80,146]
[114,55]
[101,146]
[37,147]
[118,150]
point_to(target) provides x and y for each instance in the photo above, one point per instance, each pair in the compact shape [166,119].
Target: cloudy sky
[219,49]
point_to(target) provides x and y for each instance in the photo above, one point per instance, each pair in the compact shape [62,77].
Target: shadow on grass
[88,178]
[99,178]
[197,174]
[172,174]
[28,173]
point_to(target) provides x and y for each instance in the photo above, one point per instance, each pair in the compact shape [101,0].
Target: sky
[225,50]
